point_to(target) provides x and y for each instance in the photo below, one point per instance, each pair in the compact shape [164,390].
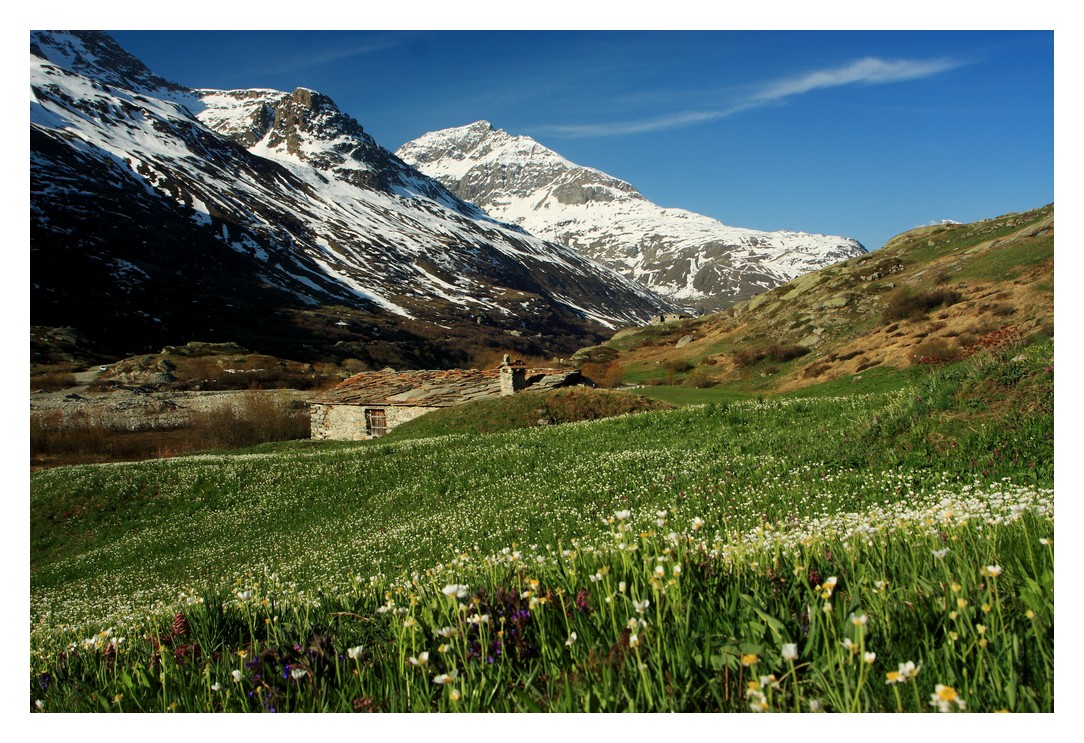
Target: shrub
[354,366]
[677,366]
[784,353]
[933,351]
[604,375]
[815,369]
[904,303]
[699,378]
[776,352]
[256,419]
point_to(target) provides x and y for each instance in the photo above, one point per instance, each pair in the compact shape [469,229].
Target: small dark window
[376,423]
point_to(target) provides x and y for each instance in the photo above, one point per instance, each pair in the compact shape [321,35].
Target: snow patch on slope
[682,255]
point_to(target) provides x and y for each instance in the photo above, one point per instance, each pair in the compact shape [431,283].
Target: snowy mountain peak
[169,210]
[690,258]
[304,127]
[95,55]
[485,165]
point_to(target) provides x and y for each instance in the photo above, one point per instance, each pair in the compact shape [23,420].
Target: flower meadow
[783,555]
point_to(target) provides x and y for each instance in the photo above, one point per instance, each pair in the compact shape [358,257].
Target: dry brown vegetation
[608,375]
[56,438]
[52,381]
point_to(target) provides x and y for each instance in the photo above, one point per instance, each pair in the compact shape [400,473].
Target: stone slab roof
[435,388]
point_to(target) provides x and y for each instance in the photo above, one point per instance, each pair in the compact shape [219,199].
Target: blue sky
[859,133]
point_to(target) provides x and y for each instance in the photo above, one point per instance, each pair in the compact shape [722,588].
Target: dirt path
[84,379]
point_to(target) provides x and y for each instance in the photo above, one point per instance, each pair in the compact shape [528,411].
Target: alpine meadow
[317,427]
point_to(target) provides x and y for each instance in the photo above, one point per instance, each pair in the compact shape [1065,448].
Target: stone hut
[370,404]
[668,317]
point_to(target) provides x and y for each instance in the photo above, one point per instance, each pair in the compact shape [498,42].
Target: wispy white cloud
[868,71]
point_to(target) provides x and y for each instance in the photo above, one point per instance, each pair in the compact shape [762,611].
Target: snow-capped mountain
[159,211]
[690,258]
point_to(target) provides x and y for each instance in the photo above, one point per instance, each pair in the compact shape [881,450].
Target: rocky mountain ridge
[161,214]
[691,259]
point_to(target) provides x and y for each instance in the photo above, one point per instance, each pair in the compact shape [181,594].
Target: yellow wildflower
[944,697]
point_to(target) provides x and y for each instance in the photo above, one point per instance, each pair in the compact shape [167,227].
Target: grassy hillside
[570,405]
[883,551]
[931,295]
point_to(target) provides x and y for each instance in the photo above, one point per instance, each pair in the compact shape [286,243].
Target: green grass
[639,372]
[525,411]
[960,238]
[681,396]
[665,561]
[1005,263]
[648,334]
[874,380]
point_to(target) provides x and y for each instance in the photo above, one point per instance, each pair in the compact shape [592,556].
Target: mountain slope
[161,214]
[931,295]
[687,257]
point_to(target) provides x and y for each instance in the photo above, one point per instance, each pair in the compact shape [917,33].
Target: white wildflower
[455,590]
[446,678]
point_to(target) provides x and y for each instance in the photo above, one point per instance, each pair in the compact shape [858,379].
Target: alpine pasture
[886,551]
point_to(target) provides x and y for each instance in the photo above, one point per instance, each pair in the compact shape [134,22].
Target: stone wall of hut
[348,422]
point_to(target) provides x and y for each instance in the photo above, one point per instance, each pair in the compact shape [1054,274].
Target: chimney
[513,376]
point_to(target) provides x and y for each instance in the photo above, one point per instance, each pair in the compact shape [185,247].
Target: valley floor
[876,552]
